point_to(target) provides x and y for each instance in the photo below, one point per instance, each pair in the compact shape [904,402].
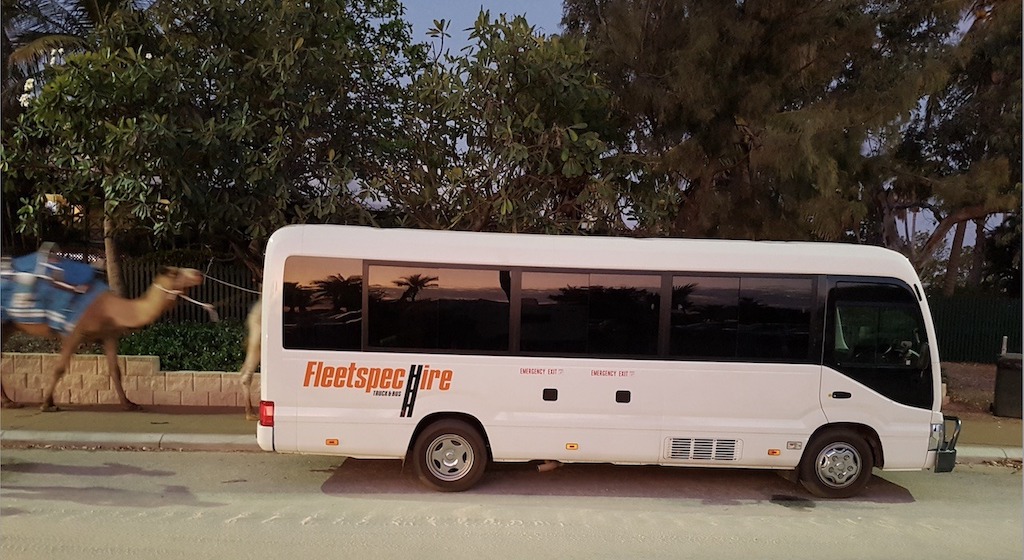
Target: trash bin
[1008,386]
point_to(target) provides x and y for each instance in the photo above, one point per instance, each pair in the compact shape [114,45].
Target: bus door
[878,370]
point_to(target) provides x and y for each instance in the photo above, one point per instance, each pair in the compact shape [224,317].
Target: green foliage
[192,258]
[20,342]
[1003,254]
[509,134]
[181,347]
[960,154]
[190,346]
[225,119]
[751,118]
[39,31]
[222,117]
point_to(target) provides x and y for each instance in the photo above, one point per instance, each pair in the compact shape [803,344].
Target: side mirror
[924,361]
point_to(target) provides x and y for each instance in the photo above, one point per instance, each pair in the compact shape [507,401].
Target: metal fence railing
[230,303]
[971,327]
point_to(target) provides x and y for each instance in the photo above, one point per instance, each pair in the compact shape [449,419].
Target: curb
[988,453]
[144,441]
[226,442]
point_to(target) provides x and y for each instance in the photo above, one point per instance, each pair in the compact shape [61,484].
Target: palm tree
[343,293]
[34,29]
[413,284]
[297,297]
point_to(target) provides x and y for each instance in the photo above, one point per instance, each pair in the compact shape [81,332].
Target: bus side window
[323,303]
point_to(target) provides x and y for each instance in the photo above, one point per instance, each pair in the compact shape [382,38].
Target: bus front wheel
[449,456]
[836,464]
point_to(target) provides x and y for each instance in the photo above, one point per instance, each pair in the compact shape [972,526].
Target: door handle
[840,395]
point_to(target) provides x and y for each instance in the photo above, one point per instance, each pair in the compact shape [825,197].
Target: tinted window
[596,314]
[876,334]
[438,308]
[775,318]
[758,318]
[555,312]
[705,315]
[624,314]
[323,303]
[877,337]
[882,330]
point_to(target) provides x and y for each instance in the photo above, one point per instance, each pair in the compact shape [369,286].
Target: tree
[509,134]
[414,284]
[225,117]
[960,156]
[340,292]
[755,119]
[36,34]
[297,297]
[26,179]
[1003,252]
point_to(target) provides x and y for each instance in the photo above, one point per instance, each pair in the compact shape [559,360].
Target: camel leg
[252,357]
[5,401]
[110,351]
[247,390]
[252,361]
[67,349]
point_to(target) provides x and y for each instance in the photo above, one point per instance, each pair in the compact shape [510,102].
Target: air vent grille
[703,449]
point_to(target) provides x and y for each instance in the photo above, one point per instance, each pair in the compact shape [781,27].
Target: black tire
[450,456]
[836,464]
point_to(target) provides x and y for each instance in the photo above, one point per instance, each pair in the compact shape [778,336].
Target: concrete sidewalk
[987,437]
[156,427]
[984,437]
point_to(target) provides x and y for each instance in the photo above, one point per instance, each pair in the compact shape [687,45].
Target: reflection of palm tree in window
[571,294]
[340,292]
[377,294]
[297,296]
[681,300]
[413,284]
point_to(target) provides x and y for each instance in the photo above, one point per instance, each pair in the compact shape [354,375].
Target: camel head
[176,279]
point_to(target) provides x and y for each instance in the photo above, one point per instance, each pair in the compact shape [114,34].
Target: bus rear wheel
[450,456]
[836,464]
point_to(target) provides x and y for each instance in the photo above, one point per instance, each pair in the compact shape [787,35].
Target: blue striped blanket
[40,291]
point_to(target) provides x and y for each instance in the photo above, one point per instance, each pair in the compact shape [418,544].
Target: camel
[252,356]
[106,318]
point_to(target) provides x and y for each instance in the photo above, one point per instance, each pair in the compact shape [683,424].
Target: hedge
[180,346]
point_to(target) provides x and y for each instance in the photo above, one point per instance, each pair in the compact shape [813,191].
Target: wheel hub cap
[839,465]
[450,457]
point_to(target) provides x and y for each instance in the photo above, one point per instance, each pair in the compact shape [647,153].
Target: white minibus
[455,349]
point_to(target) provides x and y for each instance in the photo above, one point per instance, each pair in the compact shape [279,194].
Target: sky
[545,15]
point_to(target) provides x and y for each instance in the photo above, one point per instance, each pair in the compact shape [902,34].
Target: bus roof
[588,252]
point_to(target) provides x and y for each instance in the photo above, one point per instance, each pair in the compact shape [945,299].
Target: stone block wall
[88,382]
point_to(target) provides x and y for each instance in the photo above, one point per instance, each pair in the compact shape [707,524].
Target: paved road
[159,505]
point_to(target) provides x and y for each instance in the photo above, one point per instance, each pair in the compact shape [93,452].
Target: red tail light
[267,413]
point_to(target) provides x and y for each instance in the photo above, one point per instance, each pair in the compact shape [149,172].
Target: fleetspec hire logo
[380,382]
